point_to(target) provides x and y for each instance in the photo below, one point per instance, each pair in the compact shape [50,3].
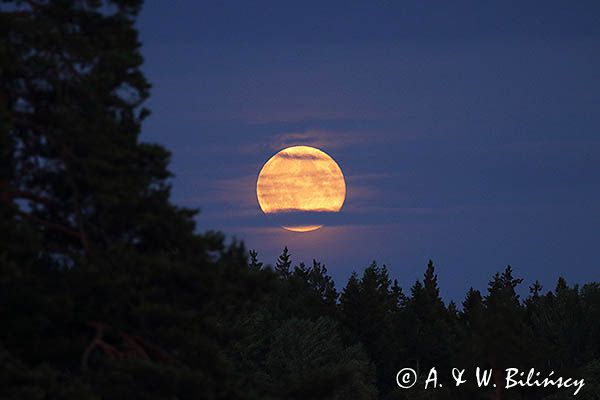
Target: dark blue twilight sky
[469,132]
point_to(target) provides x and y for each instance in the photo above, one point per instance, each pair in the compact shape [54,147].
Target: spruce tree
[431,324]
[284,264]
[472,311]
[370,309]
[254,263]
[507,339]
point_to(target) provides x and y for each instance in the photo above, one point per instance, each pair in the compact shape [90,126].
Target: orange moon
[301,179]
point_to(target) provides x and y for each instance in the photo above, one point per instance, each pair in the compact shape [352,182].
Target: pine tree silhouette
[254,263]
[284,264]
[430,282]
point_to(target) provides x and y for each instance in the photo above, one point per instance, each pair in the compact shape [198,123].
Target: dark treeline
[107,291]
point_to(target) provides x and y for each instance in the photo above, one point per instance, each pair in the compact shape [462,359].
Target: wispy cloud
[323,139]
[230,192]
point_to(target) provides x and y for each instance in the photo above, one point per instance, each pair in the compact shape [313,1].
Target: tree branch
[51,225]
[10,195]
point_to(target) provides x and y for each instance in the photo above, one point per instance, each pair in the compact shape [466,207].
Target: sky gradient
[469,133]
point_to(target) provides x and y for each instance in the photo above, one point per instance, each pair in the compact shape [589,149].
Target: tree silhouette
[284,264]
[254,263]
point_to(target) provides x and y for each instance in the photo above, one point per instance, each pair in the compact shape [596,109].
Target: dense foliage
[108,292]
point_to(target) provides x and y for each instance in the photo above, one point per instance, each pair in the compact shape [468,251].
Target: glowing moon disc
[301,179]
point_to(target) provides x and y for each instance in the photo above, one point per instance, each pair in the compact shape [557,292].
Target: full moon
[301,179]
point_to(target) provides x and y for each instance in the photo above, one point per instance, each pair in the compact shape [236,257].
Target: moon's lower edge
[302,228]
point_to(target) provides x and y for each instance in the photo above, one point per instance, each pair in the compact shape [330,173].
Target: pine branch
[10,195]
[51,225]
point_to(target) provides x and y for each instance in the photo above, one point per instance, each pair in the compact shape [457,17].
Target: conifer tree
[472,311]
[321,283]
[254,263]
[350,301]
[284,264]
[101,243]
[430,282]
[370,309]
[471,340]
[506,337]
[431,324]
